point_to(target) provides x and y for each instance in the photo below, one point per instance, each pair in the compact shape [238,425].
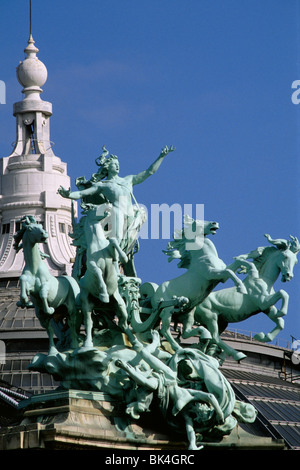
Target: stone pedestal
[81,420]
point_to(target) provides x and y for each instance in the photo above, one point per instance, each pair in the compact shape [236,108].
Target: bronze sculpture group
[127,347]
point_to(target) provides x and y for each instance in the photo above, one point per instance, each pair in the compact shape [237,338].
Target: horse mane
[176,249]
[78,234]
[26,221]
[261,254]
[18,236]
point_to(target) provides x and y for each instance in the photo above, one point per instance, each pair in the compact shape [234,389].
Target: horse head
[210,228]
[287,263]
[287,256]
[189,238]
[199,227]
[33,230]
[36,233]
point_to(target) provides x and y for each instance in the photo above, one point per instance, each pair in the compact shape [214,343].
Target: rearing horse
[229,306]
[42,290]
[205,270]
[100,281]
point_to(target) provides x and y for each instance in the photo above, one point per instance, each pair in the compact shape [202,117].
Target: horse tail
[73,289]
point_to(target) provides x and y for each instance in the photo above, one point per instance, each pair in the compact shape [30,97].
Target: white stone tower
[31,175]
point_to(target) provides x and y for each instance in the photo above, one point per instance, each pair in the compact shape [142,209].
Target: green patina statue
[204,270]
[106,186]
[100,280]
[186,388]
[48,294]
[229,306]
[119,339]
[194,396]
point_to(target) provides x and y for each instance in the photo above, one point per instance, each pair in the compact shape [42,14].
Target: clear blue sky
[212,78]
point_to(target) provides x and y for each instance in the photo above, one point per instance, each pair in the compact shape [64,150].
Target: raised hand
[64,192]
[167,150]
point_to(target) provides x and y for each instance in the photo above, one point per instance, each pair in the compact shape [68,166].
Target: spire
[31,49]
[32,112]
[32,173]
[30,19]
[31,72]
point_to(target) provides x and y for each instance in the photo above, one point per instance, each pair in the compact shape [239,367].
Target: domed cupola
[31,175]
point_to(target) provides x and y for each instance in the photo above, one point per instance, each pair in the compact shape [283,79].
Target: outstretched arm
[151,383]
[67,193]
[140,177]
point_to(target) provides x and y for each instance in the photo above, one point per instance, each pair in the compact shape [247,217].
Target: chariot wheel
[147,290]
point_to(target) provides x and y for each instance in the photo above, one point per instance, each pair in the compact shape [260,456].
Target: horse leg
[88,322]
[271,300]
[223,274]
[210,319]
[188,330]
[279,322]
[240,263]
[275,315]
[121,311]
[236,355]
[45,322]
[44,291]
[239,284]
[118,253]
[166,318]
[74,322]
[50,331]
[285,302]
[24,293]
[97,272]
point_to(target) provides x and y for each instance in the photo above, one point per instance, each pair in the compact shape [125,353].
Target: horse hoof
[104,298]
[52,351]
[263,338]
[87,345]
[240,356]
[85,350]
[242,289]
[260,337]
[204,333]
[268,338]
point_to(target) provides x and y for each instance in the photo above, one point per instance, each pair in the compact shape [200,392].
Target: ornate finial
[31,72]
[30,19]
[31,50]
